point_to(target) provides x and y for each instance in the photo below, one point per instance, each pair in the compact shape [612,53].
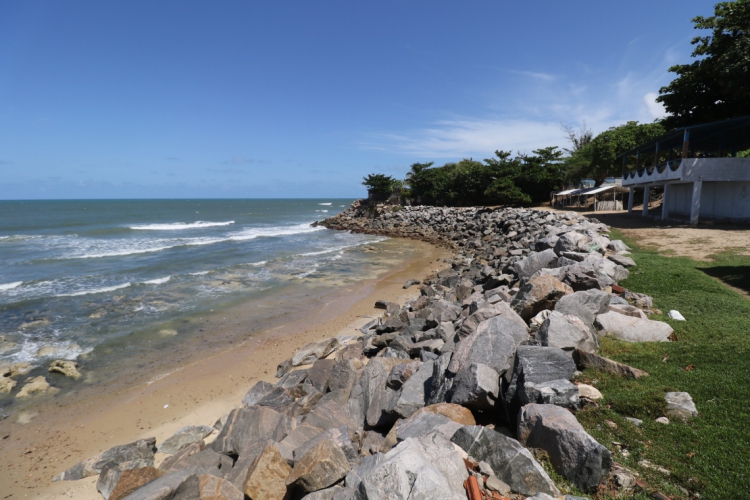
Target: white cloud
[655,109]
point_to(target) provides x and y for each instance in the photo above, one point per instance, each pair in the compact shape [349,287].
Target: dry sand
[199,393]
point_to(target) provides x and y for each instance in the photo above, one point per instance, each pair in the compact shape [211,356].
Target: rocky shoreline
[461,393]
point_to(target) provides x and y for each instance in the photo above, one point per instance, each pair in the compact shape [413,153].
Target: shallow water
[108,281]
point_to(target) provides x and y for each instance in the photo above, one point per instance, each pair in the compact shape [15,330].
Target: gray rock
[143,449]
[246,427]
[304,404]
[411,283]
[364,469]
[393,353]
[206,461]
[320,373]
[293,378]
[573,452]
[296,438]
[534,262]
[632,329]
[332,411]
[589,360]
[111,474]
[537,294]
[186,435]
[555,392]
[314,351]
[618,246]
[321,466]
[425,468]
[680,404]
[605,268]
[511,462]
[163,488]
[622,260]
[401,373]
[492,344]
[476,386]
[441,383]
[414,393]
[443,311]
[173,462]
[432,346]
[278,399]
[339,435]
[283,368]
[378,398]
[586,305]
[536,365]
[572,242]
[566,332]
[499,309]
[260,389]
[423,423]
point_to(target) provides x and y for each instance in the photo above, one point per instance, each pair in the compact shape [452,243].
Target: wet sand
[59,434]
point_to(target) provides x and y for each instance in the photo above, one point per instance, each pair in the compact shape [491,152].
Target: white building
[702,169]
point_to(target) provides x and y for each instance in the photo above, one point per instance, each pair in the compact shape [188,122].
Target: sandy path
[200,393]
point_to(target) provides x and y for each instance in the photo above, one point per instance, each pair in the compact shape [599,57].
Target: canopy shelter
[605,197]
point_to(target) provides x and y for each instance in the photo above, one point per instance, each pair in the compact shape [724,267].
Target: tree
[379,183]
[717,85]
[607,146]
[578,140]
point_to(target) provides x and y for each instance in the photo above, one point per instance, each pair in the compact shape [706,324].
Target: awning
[592,191]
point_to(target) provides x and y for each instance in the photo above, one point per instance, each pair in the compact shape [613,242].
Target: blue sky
[144,99]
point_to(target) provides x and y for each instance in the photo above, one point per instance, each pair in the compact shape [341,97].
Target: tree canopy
[380,183]
[716,86]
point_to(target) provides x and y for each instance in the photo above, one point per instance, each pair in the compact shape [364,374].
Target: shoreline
[195,393]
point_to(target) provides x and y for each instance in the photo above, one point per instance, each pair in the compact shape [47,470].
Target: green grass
[711,454]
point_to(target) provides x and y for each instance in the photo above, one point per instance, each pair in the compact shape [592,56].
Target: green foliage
[717,85]
[602,151]
[714,339]
[503,180]
[381,183]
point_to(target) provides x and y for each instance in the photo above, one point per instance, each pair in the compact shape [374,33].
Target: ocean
[105,281]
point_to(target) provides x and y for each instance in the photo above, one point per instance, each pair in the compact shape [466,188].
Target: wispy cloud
[241,160]
[527,117]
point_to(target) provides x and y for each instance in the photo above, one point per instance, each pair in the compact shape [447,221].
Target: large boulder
[339,435]
[427,467]
[555,392]
[266,477]
[378,397]
[537,294]
[163,488]
[424,423]
[441,383]
[314,351]
[319,467]
[566,332]
[412,395]
[256,392]
[536,365]
[534,262]
[573,452]
[511,462]
[471,323]
[245,427]
[477,387]
[633,329]
[589,360]
[585,305]
[141,450]
[207,487]
[493,344]
[117,481]
[186,435]
[572,242]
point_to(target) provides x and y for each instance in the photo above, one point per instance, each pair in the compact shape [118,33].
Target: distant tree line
[715,86]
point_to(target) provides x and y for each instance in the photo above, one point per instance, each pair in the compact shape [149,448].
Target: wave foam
[10,286]
[95,290]
[176,226]
[158,281]
[325,204]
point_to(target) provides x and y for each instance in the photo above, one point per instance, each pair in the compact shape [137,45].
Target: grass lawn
[711,454]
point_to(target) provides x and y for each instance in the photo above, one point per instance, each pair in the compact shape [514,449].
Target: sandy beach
[38,445]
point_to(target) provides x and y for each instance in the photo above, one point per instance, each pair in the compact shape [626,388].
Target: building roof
[708,135]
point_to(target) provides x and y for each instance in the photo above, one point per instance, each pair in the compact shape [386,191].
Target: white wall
[718,199]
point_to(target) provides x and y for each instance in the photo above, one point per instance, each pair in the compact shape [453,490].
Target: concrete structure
[709,179]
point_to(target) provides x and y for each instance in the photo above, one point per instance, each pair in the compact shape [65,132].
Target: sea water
[91,279]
